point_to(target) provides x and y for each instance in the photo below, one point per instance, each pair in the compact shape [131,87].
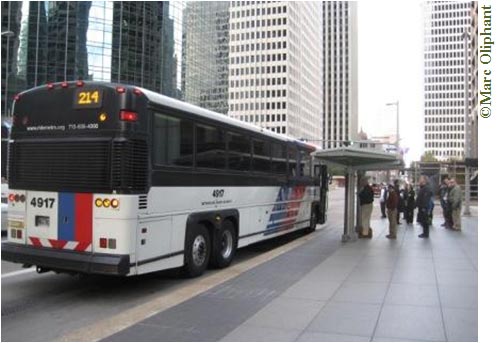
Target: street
[45,307]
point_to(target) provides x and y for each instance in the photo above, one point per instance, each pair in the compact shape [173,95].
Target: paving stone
[459,296]
[361,292]
[286,313]
[346,319]
[313,336]
[461,324]
[249,333]
[412,294]
[411,322]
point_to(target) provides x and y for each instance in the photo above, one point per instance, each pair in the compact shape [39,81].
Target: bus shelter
[356,162]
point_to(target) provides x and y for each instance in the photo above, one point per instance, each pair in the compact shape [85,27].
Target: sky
[390,43]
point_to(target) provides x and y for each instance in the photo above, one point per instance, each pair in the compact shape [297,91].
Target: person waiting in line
[399,207]
[410,203]
[455,203]
[444,202]
[383,199]
[392,208]
[423,203]
[366,198]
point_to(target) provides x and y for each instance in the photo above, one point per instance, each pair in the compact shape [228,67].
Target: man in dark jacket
[423,204]
[366,198]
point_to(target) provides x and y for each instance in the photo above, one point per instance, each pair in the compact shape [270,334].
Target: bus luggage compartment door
[60,220]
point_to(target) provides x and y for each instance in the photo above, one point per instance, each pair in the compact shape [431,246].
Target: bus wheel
[224,245]
[197,251]
[313,221]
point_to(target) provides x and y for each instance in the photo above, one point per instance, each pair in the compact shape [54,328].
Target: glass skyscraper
[118,41]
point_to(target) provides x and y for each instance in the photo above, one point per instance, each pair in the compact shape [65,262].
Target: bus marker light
[98,202]
[106,203]
[120,90]
[137,91]
[102,117]
[17,97]
[103,243]
[80,83]
[64,84]
[114,203]
[50,86]
[128,116]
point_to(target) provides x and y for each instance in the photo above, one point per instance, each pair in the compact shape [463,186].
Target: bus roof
[180,105]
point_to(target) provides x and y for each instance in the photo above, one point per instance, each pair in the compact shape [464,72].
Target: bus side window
[173,141]
[261,161]
[211,147]
[278,161]
[238,152]
[292,162]
[305,163]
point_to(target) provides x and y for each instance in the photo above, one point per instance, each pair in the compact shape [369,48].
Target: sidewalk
[324,290]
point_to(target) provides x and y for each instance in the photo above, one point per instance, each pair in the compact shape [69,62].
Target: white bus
[119,180]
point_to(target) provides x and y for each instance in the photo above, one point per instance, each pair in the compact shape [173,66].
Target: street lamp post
[397,134]
[467,211]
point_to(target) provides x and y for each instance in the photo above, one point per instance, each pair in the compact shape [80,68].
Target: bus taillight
[128,116]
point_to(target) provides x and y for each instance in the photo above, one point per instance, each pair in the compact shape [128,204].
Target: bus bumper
[66,260]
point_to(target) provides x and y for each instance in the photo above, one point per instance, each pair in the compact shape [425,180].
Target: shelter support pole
[349,227]
[346,209]
[360,174]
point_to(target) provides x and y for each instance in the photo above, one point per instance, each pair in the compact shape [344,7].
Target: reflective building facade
[119,41]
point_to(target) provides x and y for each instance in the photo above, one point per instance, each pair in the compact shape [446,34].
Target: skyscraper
[444,77]
[275,66]
[340,95]
[205,54]
[117,41]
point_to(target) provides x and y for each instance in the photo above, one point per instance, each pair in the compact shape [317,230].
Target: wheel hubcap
[199,251]
[226,244]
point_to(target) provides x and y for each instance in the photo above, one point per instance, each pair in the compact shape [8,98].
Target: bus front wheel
[224,245]
[197,251]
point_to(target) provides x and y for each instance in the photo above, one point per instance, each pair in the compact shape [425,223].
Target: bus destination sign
[88,98]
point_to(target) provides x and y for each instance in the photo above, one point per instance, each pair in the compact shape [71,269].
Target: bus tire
[224,245]
[197,251]
[313,221]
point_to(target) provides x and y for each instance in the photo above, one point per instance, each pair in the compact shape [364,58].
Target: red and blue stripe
[75,219]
